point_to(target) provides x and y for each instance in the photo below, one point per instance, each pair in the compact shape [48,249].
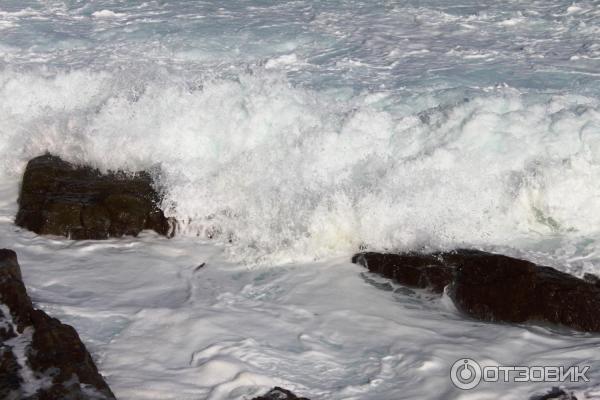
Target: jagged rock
[59,198]
[278,393]
[40,357]
[493,287]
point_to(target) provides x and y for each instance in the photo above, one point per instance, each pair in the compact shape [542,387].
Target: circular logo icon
[465,374]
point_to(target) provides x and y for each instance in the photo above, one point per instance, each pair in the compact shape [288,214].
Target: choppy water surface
[306,129]
[299,131]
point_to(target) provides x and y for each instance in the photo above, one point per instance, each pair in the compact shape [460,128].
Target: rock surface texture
[493,287]
[40,357]
[58,198]
[278,393]
[426,271]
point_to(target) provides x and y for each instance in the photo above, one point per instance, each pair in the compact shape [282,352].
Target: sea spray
[282,172]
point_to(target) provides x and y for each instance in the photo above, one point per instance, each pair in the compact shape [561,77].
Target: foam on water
[297,131]
[160,328]
[305,130]
[291,173]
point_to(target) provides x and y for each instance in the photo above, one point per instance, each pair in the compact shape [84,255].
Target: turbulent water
[296,132]
[303,130]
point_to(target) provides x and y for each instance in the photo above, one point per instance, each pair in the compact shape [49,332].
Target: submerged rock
[59,198]
[494,287]
[278,393]
[40,357]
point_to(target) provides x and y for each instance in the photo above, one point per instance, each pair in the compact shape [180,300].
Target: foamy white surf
[320,128]
[159,328]
[294,132]
[288,173]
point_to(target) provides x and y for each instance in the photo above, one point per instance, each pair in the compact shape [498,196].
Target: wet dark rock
[494,287]
[278,393]
[58,198]
[385,286]
[426,271]
[591,278]
[10,379]
[500,288]
[33,342]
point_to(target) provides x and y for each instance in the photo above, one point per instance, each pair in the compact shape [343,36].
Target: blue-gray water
[295,131]
[305,129]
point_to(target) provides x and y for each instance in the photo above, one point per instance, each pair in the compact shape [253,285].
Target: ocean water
[286,135]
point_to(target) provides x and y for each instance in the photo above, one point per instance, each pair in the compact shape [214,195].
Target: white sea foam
[19,346]
[161,329]
[289,132]
[289,173]
[106,14]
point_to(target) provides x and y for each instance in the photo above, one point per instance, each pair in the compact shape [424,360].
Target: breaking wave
[280,171]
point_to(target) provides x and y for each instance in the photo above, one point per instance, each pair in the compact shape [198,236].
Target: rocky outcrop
[493,287]
[59,198]
[40,357]
[278,393]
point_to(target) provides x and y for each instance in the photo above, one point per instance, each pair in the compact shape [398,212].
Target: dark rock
[58,198]
[52,349]
[426,271]
[591,278]
[493,287]
[278,393]
[498,288]
[10,265]
[10,379]
[95,217]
